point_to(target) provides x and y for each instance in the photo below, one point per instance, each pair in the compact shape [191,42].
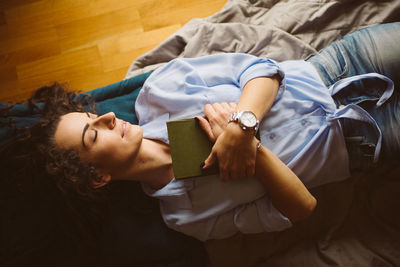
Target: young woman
[309,135]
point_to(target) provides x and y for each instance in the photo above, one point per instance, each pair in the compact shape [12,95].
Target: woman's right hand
[234,148]
[217,119]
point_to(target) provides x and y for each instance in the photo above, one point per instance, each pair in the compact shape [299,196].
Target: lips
[124,127]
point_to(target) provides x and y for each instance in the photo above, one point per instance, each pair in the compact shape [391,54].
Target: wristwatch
[246,119]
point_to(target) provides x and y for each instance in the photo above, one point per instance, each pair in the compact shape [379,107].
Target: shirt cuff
[260,216]
[271,218]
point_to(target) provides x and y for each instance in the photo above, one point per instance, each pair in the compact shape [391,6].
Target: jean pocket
[342,64]
[336,62]
[332,63]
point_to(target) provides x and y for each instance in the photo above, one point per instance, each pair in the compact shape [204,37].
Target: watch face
[248,119]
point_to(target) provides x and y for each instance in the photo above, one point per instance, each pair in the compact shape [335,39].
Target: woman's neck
[152,165]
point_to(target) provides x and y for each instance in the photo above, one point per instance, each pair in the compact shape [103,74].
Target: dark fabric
[133,232]
[356,223]
[119,97]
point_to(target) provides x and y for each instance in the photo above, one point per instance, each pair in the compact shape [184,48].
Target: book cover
[189,146]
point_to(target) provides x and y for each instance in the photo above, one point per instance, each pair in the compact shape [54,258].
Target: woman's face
[106,141]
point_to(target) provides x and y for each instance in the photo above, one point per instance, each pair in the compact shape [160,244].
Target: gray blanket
[357,222]
[281,30]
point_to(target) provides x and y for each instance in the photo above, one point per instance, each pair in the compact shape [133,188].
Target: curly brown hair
[34,152]
[46,195]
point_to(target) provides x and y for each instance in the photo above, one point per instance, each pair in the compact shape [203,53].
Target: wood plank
[64,11]
[28,10]
[14,39]
[4,4]
[179,15]
[133,40]
[88,43]
[91,9]
[7,74]
[120,52]
[123,59]
[2,19]
[73,35]
[29,54]
[96,80]
[61,68]
[8,81]
[152,8]
[42,9]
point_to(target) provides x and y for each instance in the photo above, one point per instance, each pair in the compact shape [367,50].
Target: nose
[108,120]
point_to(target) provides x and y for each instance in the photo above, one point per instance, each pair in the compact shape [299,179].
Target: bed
[356,222]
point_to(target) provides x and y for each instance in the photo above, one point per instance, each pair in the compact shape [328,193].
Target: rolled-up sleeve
[191,207]
[255,217]
[261,211]
[237,69]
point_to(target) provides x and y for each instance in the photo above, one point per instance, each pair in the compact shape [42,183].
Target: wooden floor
[86,43]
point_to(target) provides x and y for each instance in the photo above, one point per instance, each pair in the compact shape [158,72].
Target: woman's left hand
[234,148]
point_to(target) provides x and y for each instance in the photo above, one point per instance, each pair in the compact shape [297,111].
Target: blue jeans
[372,49]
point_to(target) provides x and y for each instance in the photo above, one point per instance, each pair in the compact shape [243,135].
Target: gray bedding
[281,30]
[357,222]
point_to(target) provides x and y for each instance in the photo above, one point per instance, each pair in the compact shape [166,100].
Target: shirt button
[272,136]
[303,122]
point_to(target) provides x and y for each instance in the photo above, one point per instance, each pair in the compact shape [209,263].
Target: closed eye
[95,136]
[90,115]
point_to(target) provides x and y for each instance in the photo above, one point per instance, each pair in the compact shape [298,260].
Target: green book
[189,146]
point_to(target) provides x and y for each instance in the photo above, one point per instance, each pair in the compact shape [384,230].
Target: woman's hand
[234,148]
[217,119]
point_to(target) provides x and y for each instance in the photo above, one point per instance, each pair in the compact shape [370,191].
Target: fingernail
[202,164]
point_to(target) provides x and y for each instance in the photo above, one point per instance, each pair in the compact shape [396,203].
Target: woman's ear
[104,179]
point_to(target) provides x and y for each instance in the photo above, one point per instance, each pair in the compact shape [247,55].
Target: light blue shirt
[301,128]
